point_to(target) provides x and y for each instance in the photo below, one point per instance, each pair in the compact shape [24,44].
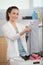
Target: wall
[22,4]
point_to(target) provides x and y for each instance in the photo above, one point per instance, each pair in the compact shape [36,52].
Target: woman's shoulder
[5,25]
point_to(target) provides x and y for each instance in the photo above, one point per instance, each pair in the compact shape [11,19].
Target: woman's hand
[27,29]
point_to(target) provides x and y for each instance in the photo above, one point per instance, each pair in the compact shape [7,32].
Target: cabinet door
[3,49]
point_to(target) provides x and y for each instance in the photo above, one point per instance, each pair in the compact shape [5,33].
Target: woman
[9,30]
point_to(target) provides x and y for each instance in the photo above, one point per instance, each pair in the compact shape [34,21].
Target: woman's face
[13,15]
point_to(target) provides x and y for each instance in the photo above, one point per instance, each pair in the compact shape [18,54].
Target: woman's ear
[9,14]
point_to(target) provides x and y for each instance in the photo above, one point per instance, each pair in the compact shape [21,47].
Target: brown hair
[9,10]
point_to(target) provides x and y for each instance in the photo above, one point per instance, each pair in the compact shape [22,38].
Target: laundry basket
[28,62]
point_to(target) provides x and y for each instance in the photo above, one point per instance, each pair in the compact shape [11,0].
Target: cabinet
[3,50]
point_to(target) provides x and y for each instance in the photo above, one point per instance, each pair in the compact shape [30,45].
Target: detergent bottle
[34,15]
[39,16]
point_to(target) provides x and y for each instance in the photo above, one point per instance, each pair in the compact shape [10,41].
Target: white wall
[22,4]
[37,3]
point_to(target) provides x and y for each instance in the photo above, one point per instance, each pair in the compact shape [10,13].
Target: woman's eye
[17,13]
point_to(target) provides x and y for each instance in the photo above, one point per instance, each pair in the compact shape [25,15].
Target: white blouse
[11,37]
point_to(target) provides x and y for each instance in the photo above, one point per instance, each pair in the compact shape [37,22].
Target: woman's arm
[8,35]
[27,29]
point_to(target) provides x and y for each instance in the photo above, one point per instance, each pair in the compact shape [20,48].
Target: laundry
[35,57]
[26,57]
[22,51]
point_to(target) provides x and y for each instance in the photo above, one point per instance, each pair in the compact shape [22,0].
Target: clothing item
[34,56]
[26,57]
[22,51]
[20,46]
[33,38]
[11,37]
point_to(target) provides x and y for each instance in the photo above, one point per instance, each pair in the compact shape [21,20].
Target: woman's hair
[9,11]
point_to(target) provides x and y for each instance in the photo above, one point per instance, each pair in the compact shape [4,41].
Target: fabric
[22,51]
[33,38]
[10,34]
[35,56]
